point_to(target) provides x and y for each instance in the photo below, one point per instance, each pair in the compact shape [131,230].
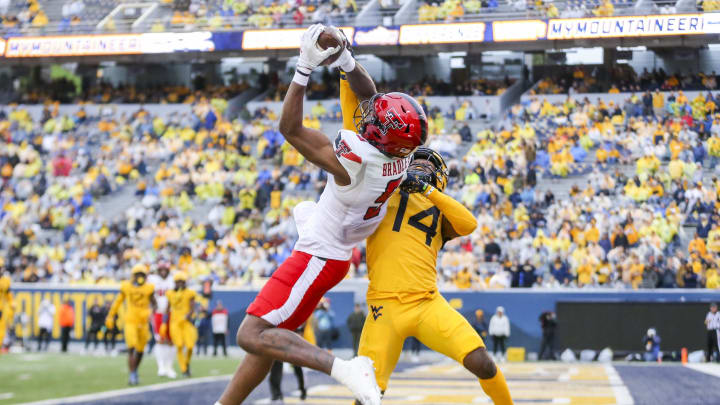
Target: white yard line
[712,369]
[622,394]
[566,376]
[129,391]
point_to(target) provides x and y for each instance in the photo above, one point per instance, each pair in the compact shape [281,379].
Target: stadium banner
[379,35]
[72,45]
[27,298]
[227,40]
[711,21]
[420,34]
[254,40]
[411,34]
[627,26]
[507,31]
[171,42]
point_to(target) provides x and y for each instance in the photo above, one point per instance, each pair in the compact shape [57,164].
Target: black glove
[413,184]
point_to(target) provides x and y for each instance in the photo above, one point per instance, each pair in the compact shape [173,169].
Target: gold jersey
[400,264]
[402,253]
[180,303]
[138,299]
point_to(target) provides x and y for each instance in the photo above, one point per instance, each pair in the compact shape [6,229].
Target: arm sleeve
[10,306]
[348,103]
[116,304]
[461,219]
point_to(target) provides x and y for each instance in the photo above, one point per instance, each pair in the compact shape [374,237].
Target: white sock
[159,357]
[168,357]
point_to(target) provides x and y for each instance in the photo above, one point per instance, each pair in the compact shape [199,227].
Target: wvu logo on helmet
[376,311]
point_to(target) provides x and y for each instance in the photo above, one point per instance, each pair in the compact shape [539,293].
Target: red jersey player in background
[364,170]
[164,350]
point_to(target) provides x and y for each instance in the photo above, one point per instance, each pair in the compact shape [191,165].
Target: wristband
[428,190]
[349,64]
[301,78]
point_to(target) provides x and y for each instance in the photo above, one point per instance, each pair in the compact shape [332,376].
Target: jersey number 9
[374,211]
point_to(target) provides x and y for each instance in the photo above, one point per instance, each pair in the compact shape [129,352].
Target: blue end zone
[669,384]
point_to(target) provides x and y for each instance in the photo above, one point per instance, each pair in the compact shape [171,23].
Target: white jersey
[162,286]
[346,215]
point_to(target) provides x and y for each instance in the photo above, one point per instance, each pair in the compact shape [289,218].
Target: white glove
[311,55]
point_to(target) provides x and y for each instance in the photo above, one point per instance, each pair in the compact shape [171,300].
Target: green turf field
[33,377]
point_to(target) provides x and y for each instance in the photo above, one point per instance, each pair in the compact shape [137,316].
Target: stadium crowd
[68,91]
[214,197]
[619,79]
[217,14]
[83,15]
[456,10]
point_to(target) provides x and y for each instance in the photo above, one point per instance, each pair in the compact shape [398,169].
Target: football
[330,38]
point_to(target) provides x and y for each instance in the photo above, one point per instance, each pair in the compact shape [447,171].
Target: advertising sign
[630,26]
[532,30]
[442,33]
[254,40]
[169,42]
[73,45]
[379,35]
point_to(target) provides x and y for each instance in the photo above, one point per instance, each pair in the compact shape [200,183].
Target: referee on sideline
[712,322]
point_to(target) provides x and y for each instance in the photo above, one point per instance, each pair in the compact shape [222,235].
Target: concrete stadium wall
[523,307]
[679,60]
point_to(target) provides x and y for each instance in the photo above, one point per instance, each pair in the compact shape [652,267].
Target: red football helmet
[393,122]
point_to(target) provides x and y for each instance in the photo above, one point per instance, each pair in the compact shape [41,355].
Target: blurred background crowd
[573,193]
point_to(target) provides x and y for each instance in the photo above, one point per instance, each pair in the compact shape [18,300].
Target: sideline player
[6,306]
[164,350]
[403,297]
[138,294]
[364,170]
[182,331]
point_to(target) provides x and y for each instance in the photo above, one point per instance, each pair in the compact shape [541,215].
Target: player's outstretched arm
[110,319]
[361,83]
[457,220]
[312,144]
[359,79]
